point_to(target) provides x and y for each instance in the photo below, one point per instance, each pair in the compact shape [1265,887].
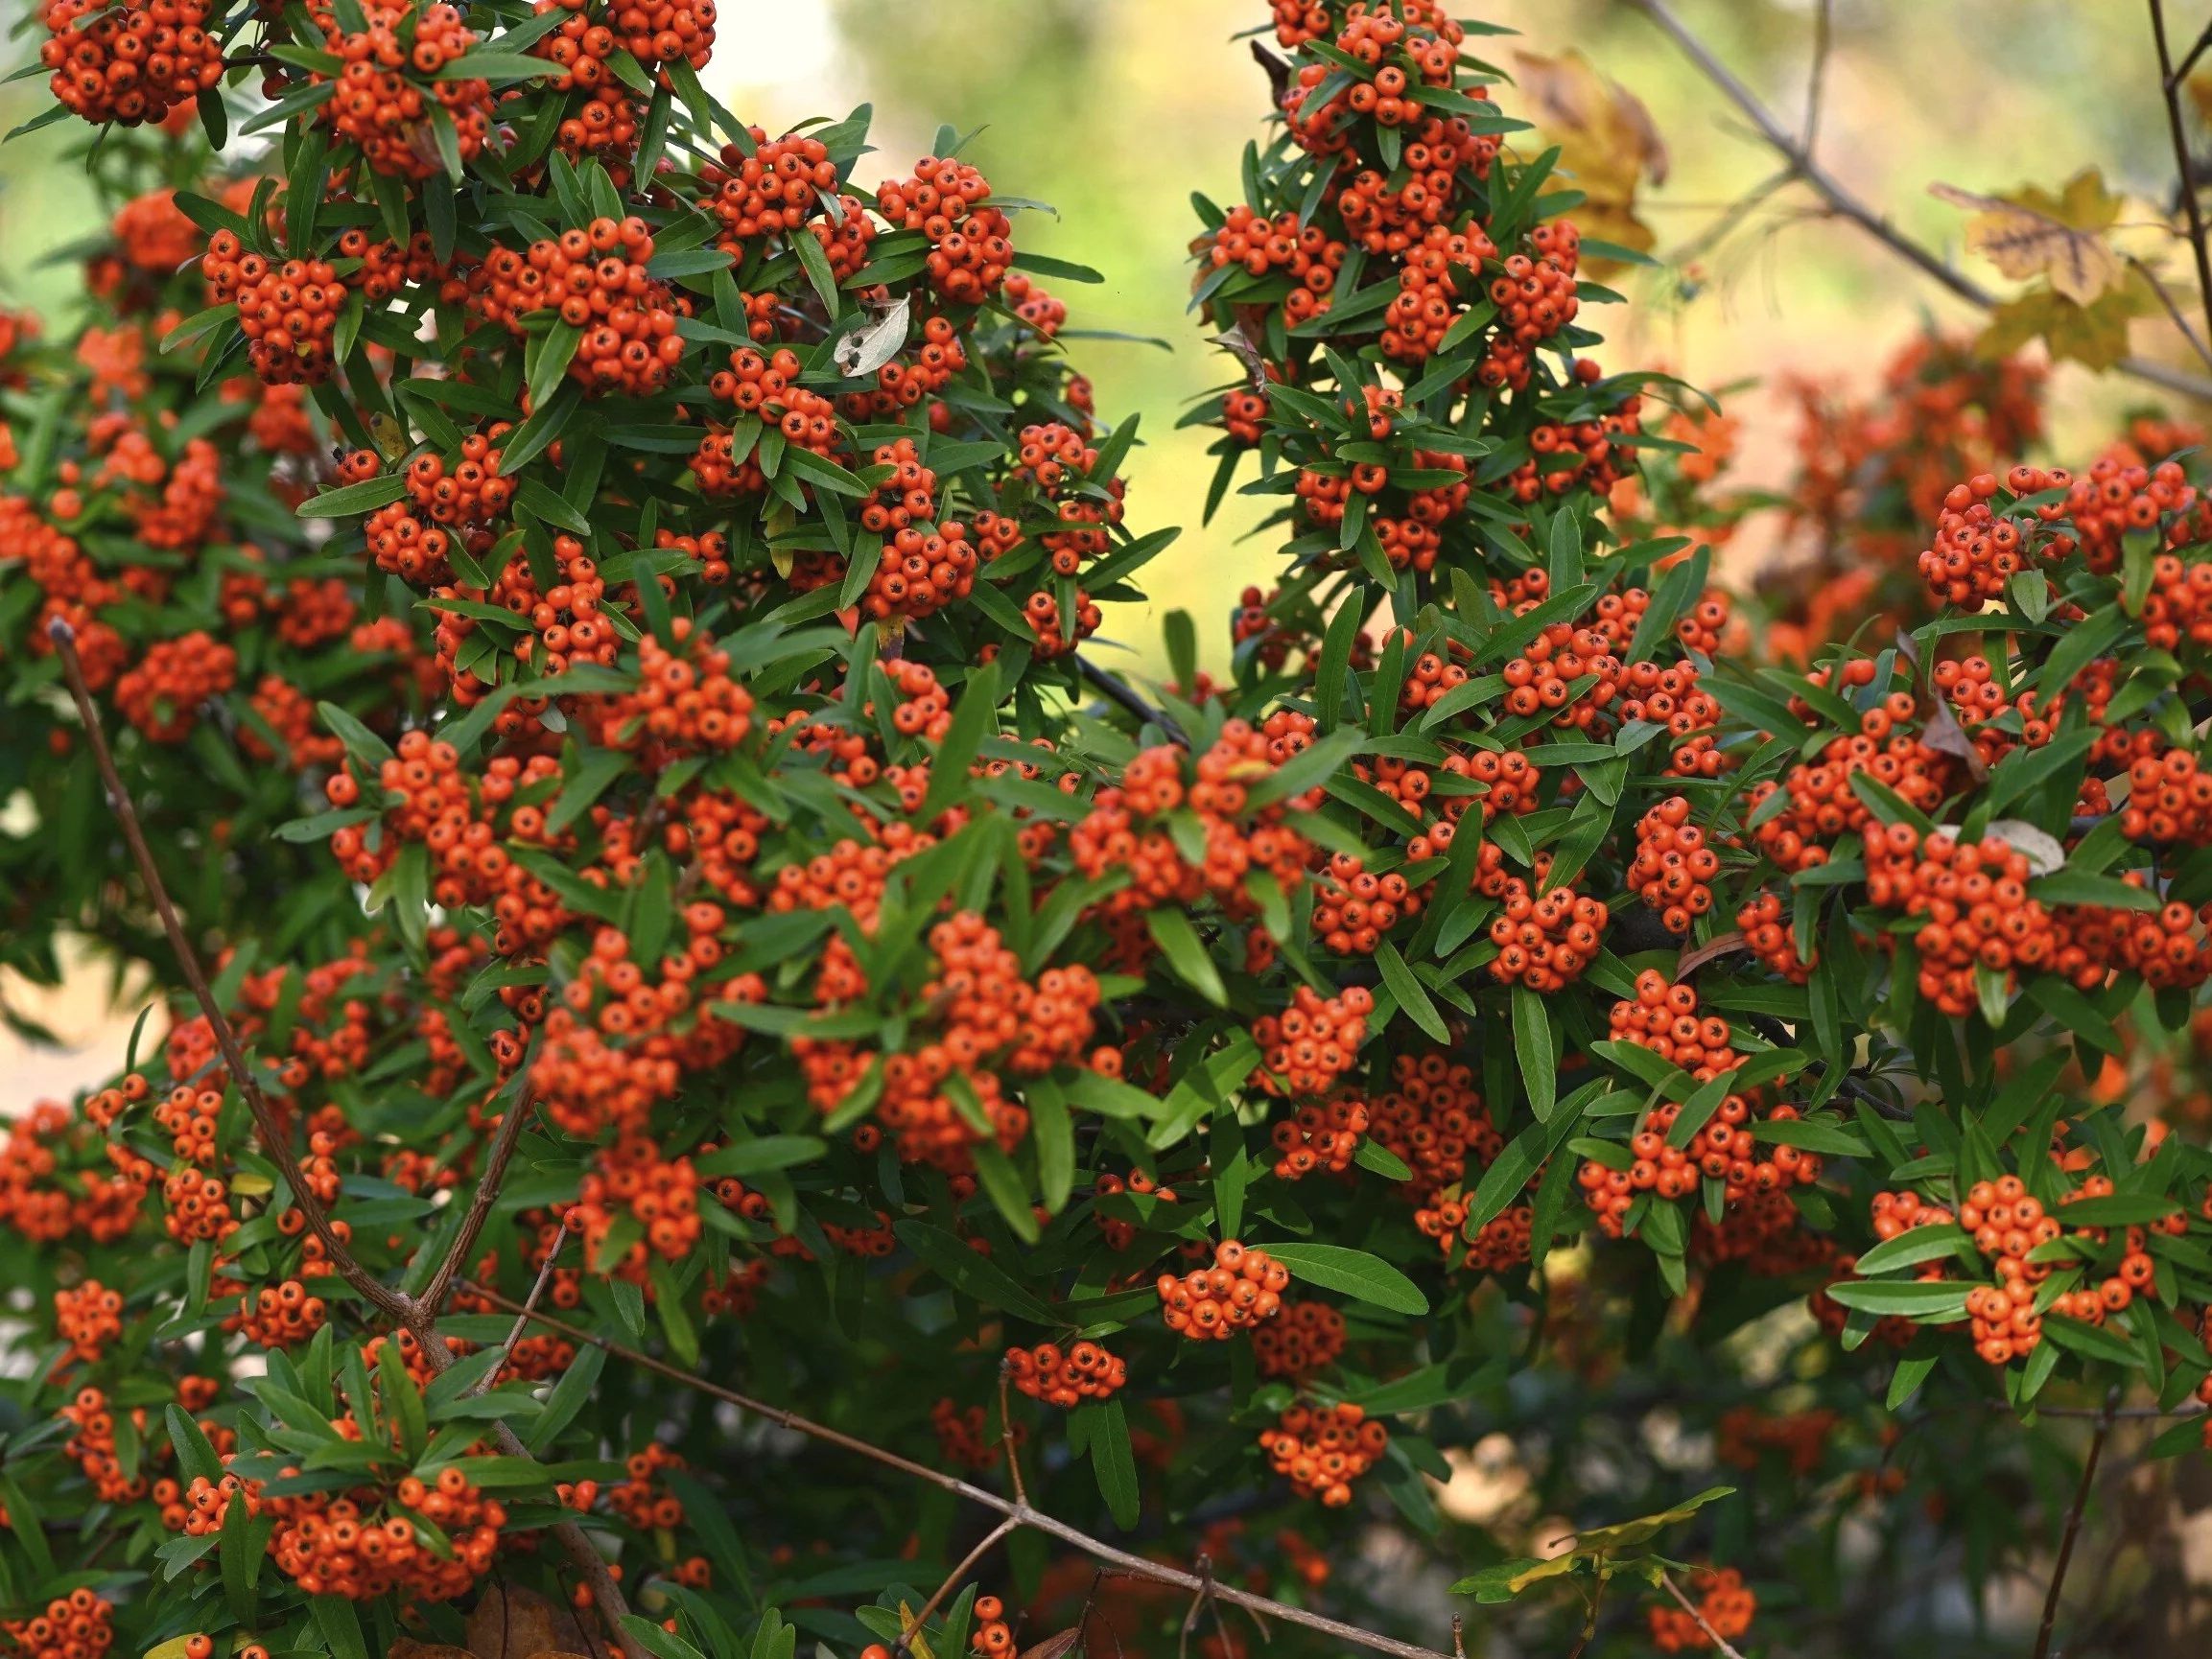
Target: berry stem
[952,1580]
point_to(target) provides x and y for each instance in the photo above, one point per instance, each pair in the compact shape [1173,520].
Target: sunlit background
[1116,110]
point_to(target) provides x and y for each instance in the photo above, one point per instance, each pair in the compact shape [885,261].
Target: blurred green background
[1116,110]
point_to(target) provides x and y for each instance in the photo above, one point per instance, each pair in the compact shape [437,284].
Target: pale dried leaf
[511,1621]
[1944,732]
[1055,1647]
[1247,353]
[1573,102]
[2043,852]
[2024,243]
[1721,944]
[868,348]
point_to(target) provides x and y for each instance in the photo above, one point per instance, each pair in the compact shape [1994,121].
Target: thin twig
[1843,204]
[1116,690]
[1198,1604]
[1823,26]
[415,1316]
[2180,71]
[529,1306]
[265,1120]
[2074,1525]
[957,1576]
[1719,1641]
[487,1188]
[2186,168]
[1006,1435]
[1134,1566]
[2172,311]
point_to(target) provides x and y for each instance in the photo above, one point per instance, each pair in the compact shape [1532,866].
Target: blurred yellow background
[1116,110]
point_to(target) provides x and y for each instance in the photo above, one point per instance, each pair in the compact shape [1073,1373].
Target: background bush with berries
[731,1084]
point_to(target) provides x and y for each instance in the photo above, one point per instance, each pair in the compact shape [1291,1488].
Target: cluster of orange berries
[328,1546]
[467,491]
[595,277]
[92,1446]
[1391,213]
[1306,1338]
[767,387]
[637,1500]
[128,63]
[1664,1018]
[88,1319]
[1588,455]
[78,1626]
[1544,941]
[661,1194]
[1673,868]
[1309,257]
[1313,1041]
[1976,553]
[992,1637]
[1726,1606]
[288,311]
[686,702]
[1352,907]
[772,190]
[1432,1120]
[1059,460]
[1534,299]
[1323,1449]
[1823,802]
[1769,935]
[1502,1242]
[1243,1288]
[1745,1433]
[1085,1371]
[380,110]
[1426,305]
[2169,800]
[162,695]
[971,247]
[1319,1137]
[37,1203]
[961,1440]
[1975,896]
[282,1316]
[2117,494]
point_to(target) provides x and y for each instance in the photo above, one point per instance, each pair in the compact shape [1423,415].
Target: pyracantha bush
[590,600]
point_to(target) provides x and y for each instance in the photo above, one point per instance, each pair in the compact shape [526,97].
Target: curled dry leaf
[1055,1647]
[1721,944]
[408,1648]
[1608,141]
[1247,353]
[875,344]
[2032,234]
[2043,852]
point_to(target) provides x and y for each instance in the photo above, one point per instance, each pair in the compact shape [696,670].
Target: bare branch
[1843,204]
[1006,1435]
[1021,1514]
[2171,309]
[958,1575]
[1116,690]
[545,1273]
[2183,165]
[487,1187]
[1719,1641]
[1823,27]
[2074,1525]
[264,1120]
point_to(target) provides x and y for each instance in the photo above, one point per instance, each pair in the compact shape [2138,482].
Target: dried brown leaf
[1056,1646]
[2028,240]
[1608,143]
[1721,944]
[513,1621]
[408,1648]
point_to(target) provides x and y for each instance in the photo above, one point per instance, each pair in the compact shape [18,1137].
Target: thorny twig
[418,1316]
[1006,1435]
[2186,169]
[1021,1514]
[2074,1525]
[1843,204]
[1719,1641]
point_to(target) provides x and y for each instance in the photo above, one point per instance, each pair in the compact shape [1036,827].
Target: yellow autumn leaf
[2095,335]
[1607,139]
[2030,233]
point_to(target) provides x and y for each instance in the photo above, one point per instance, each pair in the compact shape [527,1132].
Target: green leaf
[975,718]
[341,1628]
[973,1274]
[1937,1302]
[1913,1247]
[2090,1342]
[1001,1183]
[1407,991]
[1045,264]
[364,496]
[1532,1047]
[1113,1461]
[1354,1273]
[1187,954]
[195,1459]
